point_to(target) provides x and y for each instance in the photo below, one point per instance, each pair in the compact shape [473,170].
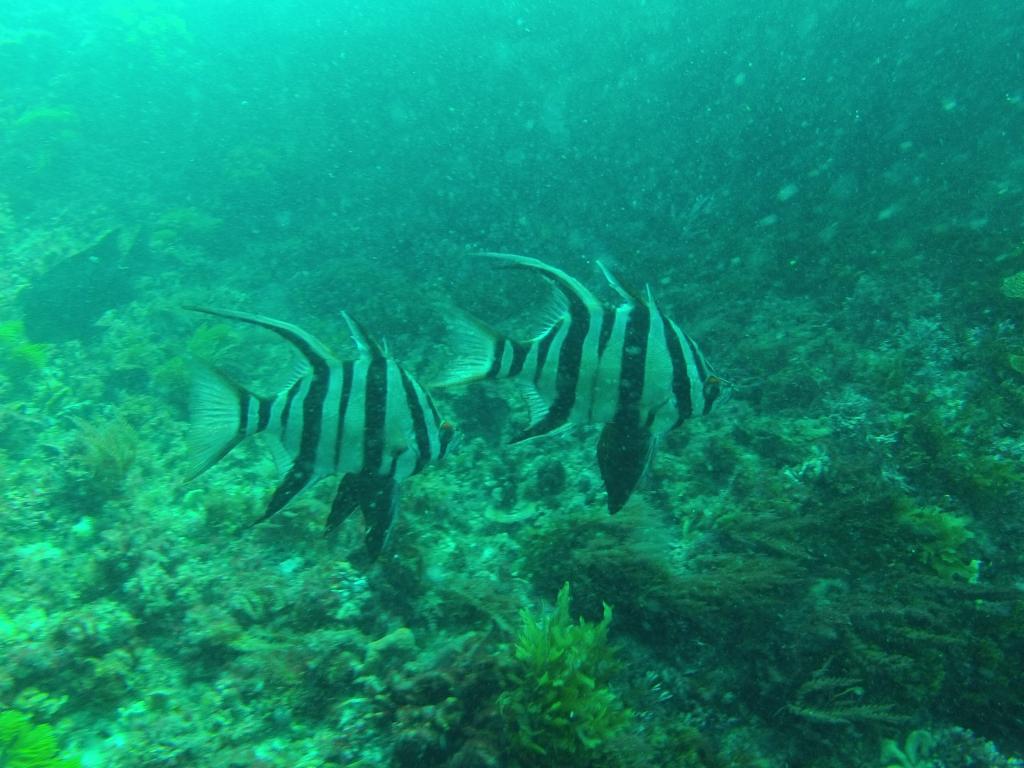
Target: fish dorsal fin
[627,292]
[572,289]
[107,248]
[554,312]
[365,343]
[311,348]
[476,343]
[649,299]
[299,369]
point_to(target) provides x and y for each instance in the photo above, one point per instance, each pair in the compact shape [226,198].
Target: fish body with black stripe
[366,421]
[628,367]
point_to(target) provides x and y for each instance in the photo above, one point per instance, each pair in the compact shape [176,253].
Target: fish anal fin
[377,497]
[346,499]
[624,453]
[296,479]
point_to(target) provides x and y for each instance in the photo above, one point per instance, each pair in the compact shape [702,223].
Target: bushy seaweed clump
[560,709]
[20,359]
[24,745]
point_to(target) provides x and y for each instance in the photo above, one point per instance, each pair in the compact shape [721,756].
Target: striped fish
[628,367]
[365,420]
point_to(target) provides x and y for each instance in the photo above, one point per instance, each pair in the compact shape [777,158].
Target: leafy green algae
[940,540]
[20,357]
[24,745]
[561,707]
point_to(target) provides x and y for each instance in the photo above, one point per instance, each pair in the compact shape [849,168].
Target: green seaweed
[560,708]
[948,455]
[20,359]
[24,745]
[107,452]
[915,752]
[938,540]
[185,223]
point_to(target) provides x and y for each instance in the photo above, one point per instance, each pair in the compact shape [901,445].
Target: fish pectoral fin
[544,420]
[546,426]
[282,459]
[377,496]
[298,477]
[537,406]
[624,452]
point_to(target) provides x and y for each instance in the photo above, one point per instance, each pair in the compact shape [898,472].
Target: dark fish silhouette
[629,368]
[64,302]
[365,420]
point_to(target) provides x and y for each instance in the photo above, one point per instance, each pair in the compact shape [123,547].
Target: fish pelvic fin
[296,479]
[481,352]
[223,413]
[377,497]
[624,453]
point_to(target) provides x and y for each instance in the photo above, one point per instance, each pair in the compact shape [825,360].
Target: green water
[825,571]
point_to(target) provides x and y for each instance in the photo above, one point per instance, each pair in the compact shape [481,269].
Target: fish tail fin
[483,353]
[223,414]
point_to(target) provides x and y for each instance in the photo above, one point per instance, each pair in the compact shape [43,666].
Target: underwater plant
[107,453]
[913,754]
[560,706]
[185,223]
[20,359]
[1013,286]
[833,700]
[24,745]
[939,540]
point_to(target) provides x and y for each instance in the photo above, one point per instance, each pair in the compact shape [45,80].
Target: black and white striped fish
[365,420]
[629,368]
